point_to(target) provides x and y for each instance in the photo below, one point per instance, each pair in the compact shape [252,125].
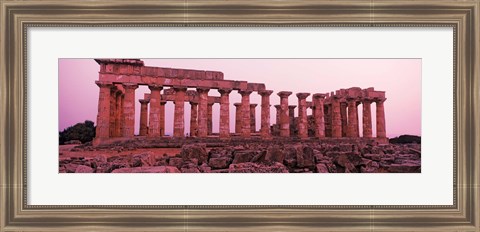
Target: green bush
[84,132]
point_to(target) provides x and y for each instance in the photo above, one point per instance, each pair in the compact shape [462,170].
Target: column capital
[265,93]
[291,107]
[278,107]
[193,103]
[237,104]
[102,84]
[155,87]
[319,95]
[379,100]
[245,92]
[284,94]
[179,88]
[224,91]
[210,103]
[144,101]
[163,102]
[366,100]
[203,90]
[130,86]
[253,105]
[302,95]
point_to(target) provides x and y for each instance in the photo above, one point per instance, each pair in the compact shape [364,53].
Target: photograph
[119,115]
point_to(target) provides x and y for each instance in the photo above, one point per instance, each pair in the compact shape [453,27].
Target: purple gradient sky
[400,78]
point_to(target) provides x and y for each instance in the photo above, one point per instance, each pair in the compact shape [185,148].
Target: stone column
[252,118]
[367,118]
[224,127]
[162,117]
[118,114]
[284,114]
[352,117]
[202,111]
[302,115]
[336,118]
[238,118]
[318,101]
[279,113]
[210,118]
[103,115]
[154,122]
[265,120]
[113,103]
[193,119]
[143,116]
[291,115]
[179,116]
[245,112]
[129,110]
[343,115]
[381,130]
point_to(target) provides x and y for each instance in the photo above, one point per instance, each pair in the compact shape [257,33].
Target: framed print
[215,116]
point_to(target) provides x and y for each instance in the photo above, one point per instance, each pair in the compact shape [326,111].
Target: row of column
[341,124]
[116,114]
[121,111]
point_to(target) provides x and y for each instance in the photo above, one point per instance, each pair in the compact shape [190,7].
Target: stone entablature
[335,114]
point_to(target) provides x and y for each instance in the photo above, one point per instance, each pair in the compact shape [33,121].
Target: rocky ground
[297,157]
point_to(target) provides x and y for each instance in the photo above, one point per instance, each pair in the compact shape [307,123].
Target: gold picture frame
[16,16]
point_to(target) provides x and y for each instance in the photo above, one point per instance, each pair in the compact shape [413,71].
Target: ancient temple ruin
[335,114]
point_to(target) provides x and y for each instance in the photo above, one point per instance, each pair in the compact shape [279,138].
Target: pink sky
[400,78]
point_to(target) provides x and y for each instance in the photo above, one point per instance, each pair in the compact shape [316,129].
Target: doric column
[193,119]
[162,117]
[202,111]
[265,120]
[284,114]
[154,122]
[302,115]
[129,109]
[367,118]
[253,125]
[343,115]
[352,117]
[318,101]
[381,130]
[143,116]
[336,118]
[119,114]
[113,103]
[179,116]
[278,114]
[210,118]
[291,116]
[238,118]
[245,112]
[224,127]
[103,115]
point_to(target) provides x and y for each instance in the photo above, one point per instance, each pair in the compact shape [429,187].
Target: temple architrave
[334,114]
